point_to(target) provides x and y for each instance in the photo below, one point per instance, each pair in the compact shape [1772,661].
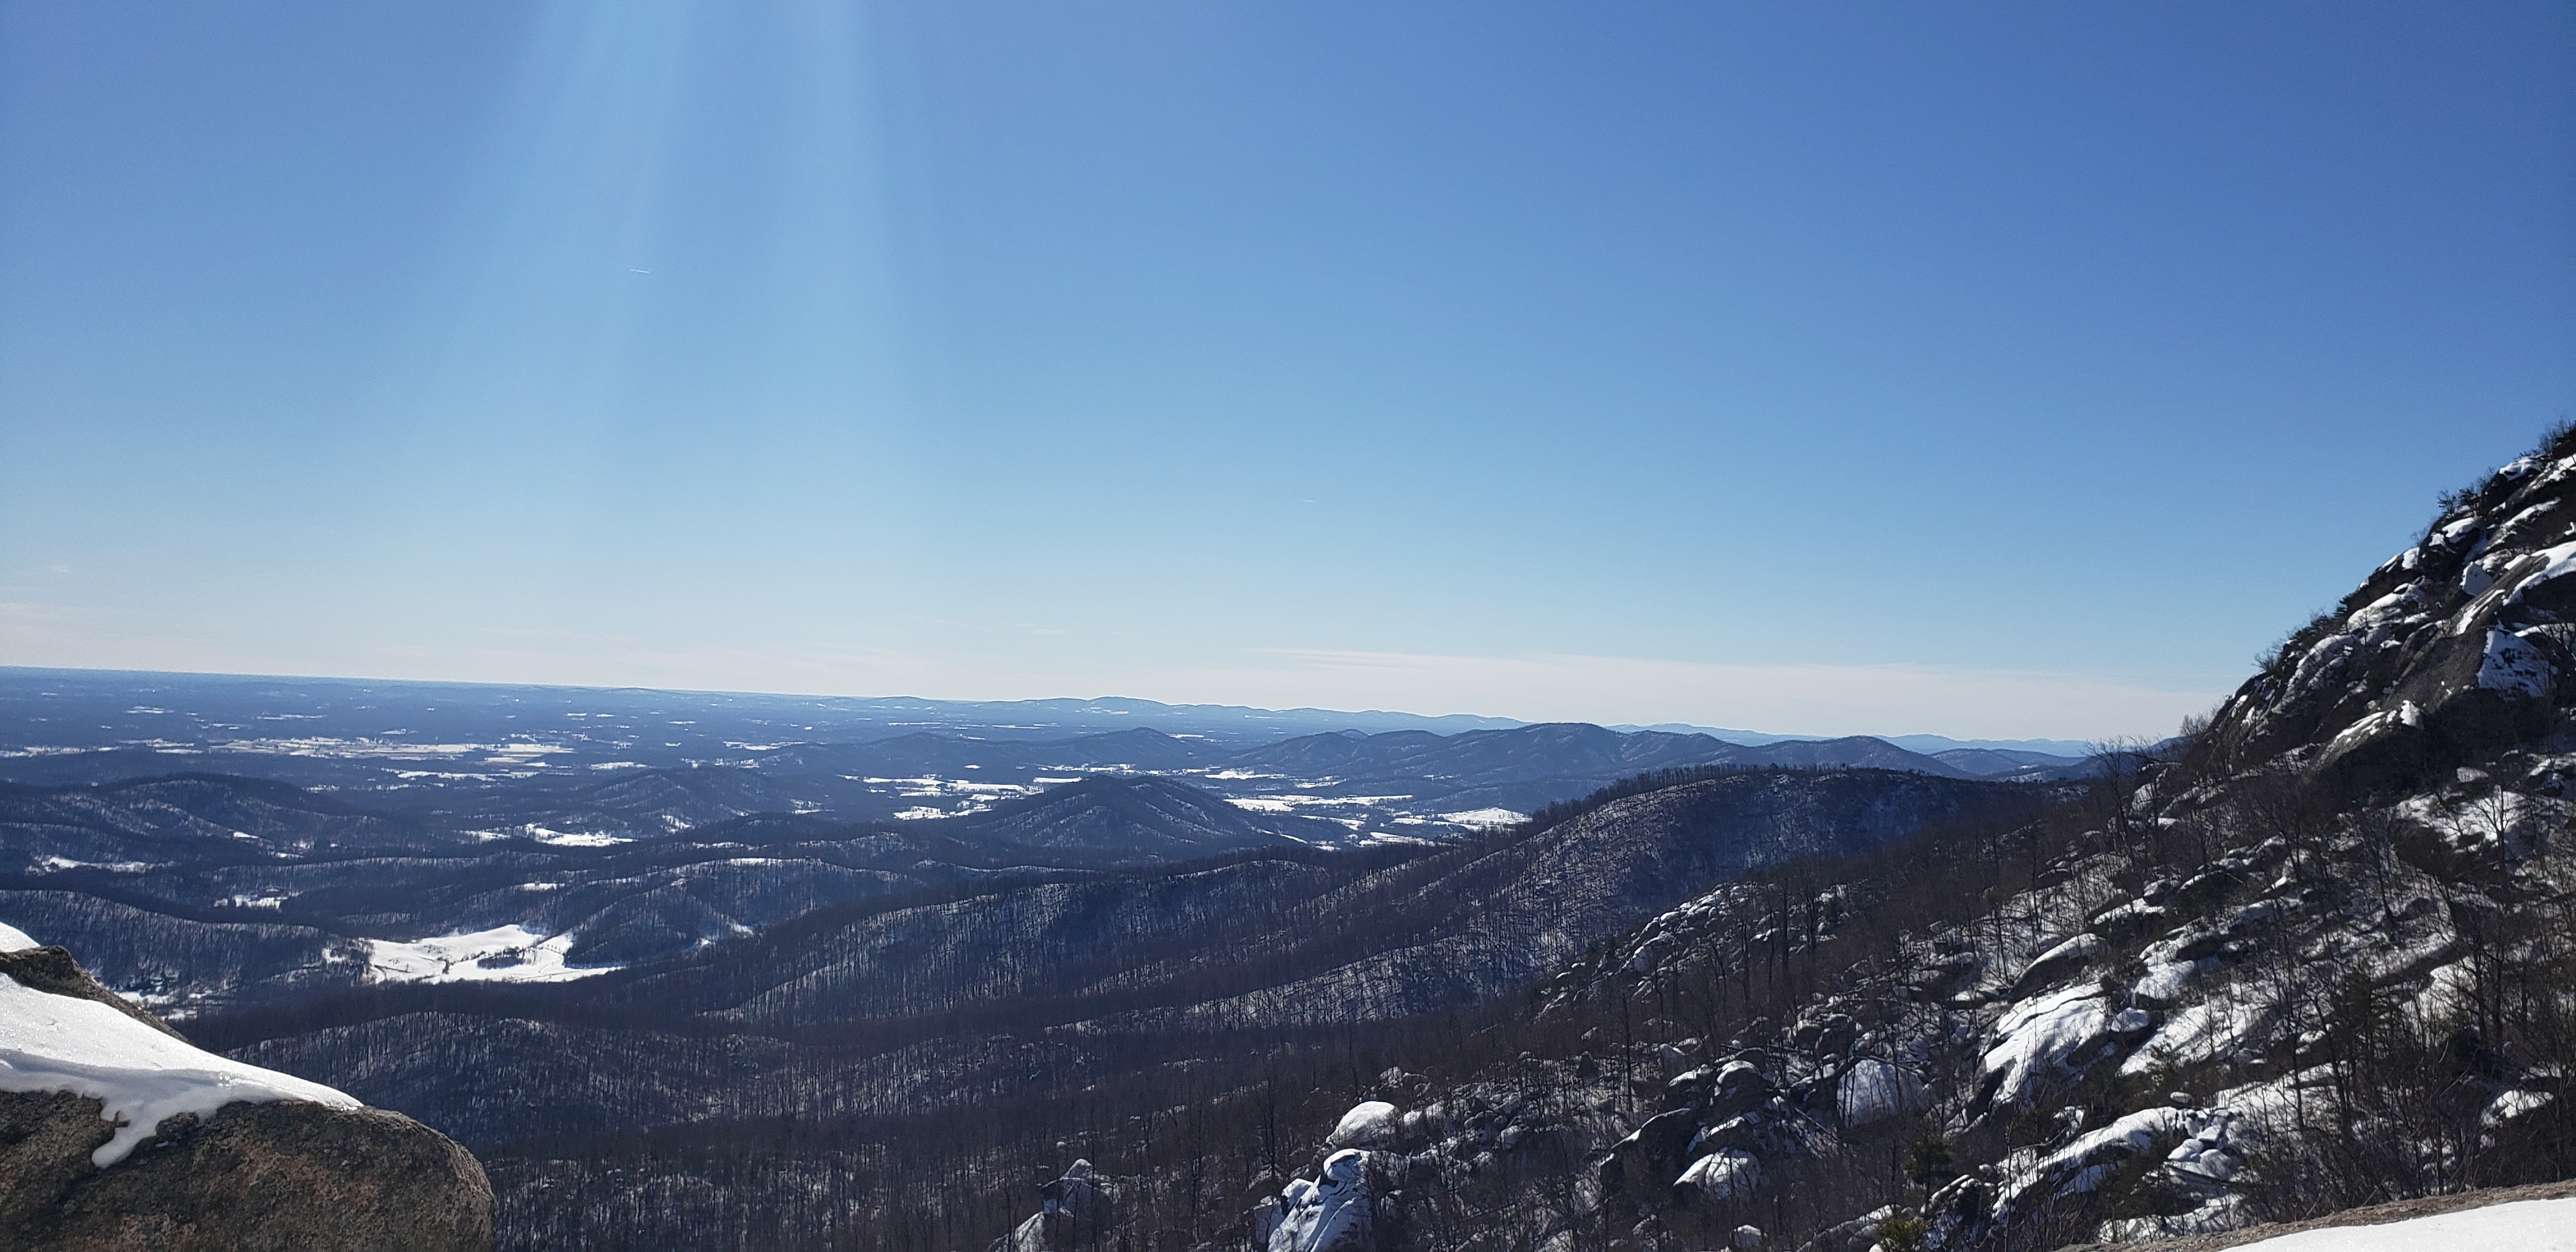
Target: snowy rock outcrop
[116,1132]
[2456,647]
[1072,1212]
[1336,1212]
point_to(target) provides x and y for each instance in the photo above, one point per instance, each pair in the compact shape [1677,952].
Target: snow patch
[572,838]
[2514,667]
[140,1076]
[2509,1105]
[13,939]
[2043,1032]
[2523,1226]
[2204,1032]
[2165,981]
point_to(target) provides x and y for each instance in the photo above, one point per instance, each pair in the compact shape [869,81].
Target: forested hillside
[914,1056]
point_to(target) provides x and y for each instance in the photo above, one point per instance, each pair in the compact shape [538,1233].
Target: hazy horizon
[1759,732]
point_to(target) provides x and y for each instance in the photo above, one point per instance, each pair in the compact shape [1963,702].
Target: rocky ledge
[251,1159]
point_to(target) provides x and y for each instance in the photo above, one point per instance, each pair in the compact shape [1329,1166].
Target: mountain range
[1391,987]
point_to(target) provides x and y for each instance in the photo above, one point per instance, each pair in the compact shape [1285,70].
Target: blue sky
[1972,369]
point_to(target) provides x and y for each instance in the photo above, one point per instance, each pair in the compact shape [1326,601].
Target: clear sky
[1977,369]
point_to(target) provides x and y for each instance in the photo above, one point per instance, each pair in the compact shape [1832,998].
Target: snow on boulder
[2166,981]
[2527,573]
[2509,1105]
[2060,962]
[2039,1034]
[1873,1090]
[2126,1136]
[1722,1176]
[1330,1214]
[2214,1152]
[13,939]
[2514,667]
[52,1043]
[2081,1166]
[1368,1124]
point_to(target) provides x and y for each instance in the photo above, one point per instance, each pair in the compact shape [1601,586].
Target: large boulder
[1369,1124]
[1644,1161]
[117,1133]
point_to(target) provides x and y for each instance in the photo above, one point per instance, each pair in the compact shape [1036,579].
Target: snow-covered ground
[140,1076]
[502,954]
[2523,1226]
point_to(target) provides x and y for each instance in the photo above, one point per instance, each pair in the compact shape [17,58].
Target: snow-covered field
[2523,1226]
[502,954]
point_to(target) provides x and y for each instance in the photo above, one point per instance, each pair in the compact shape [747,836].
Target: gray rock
[2059,963]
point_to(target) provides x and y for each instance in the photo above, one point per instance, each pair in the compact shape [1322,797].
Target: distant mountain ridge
[1927,744]
[134,711]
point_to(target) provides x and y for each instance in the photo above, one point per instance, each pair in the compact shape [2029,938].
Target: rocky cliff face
[2459,647]
[116,1133]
